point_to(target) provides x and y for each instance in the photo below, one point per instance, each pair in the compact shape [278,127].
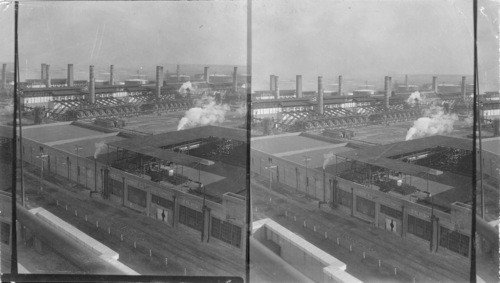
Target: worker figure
[163,215]
[392,225]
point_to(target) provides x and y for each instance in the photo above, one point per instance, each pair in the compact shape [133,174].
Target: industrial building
[418,188]
[191,180]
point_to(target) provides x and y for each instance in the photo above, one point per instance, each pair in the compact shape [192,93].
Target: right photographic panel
[374,141]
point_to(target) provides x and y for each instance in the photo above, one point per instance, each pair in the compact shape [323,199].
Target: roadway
[412,258]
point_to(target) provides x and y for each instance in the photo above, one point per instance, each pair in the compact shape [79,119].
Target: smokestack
[42,75]
[47,75]
[276,87]
[205,75]
[340,86]
[388,90]
[434,84]
[320,95]
[463,88]
[235,81]
[271,82]
[91,97]
[69,80]
[406,83]
[298,86]
[178,72]
[4,76]
[111,75]
[159,76]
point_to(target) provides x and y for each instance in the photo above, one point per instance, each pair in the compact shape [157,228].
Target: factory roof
[380,155]
[178,137]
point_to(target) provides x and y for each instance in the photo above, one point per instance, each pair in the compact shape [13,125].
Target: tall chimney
[298,86]
[42,75]
[159,76]
[111,75]
[70,79]
[340,86]
[47,75]
[4,76]
[205,75]
[434,84]
[178,73]
[276,87]
[320,95]
[91,97]
[463,88]
[271,83]
[235,80]
[388,90]
[406,83]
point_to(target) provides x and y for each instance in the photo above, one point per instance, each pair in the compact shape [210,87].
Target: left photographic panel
[132,138]
[7,32]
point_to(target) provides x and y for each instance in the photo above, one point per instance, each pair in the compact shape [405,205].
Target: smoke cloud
[99,148]
[414,98]
[206,112]
[434,122]
[7,109]
[328,158]
[186,87]
[241,111]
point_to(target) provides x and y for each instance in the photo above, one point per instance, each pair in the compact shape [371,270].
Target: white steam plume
[414,98]
[241,111]
[99,147]
[7,109]
[186,87]
[206,112]
[328,158]
[434,122]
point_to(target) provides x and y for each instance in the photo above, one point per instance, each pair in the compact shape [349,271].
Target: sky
[131,33]
[361,39]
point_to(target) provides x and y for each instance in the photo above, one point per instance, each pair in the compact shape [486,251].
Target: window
[454,241]
[136,196]
[419,227]
[226,232]
[345,198]
[116,187]
[191,218]
[162,201]
[5,237]
[365,206]
[391,212]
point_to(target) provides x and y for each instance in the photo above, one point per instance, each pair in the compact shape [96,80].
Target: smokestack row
[434,84]
[388,90]
[235,80]
[4,76]
[463,88]
[320,96]
[91,96]
[298,86]
[205,75]
[159,76]
[340,86]
[70,78]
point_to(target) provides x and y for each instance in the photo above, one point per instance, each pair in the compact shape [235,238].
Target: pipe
[434,84]
[70,78]
[235,80]
[159,75]
[91,97]
[340,86]
[298,86]
[205,75]
[320,106]
[111,75]
[47,75]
